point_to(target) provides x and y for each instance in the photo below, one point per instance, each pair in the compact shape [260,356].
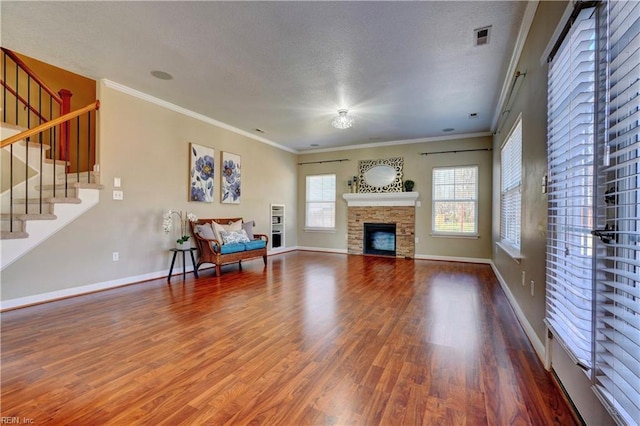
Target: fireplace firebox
[380,239]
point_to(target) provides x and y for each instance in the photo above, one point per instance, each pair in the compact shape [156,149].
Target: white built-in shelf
[277,226]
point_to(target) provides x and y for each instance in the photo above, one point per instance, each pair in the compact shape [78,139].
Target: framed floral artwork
[231,178]
[201,173]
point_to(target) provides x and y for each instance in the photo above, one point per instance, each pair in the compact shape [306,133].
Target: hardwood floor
[312,338]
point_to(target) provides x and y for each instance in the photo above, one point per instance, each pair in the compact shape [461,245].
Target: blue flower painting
[231,178]
[201,173]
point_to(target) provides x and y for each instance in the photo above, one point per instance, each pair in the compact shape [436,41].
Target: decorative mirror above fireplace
[381,175]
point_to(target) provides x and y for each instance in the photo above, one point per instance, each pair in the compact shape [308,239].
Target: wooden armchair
[212,251]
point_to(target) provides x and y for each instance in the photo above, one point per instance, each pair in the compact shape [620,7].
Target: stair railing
[83,118]
[28,101]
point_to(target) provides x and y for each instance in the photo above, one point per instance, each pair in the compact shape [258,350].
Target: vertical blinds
[570,144]
[510,203]
[617,376]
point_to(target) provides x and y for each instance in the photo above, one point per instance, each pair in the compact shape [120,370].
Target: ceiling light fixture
[342,121]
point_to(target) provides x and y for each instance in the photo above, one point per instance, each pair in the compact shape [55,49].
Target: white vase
[183,246]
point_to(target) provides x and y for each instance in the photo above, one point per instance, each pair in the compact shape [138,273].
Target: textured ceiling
[405,70]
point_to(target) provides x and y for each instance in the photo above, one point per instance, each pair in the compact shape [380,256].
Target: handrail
[33,75]
[23,100]
[44,126]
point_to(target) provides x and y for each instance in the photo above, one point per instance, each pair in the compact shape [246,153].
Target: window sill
[511,251]
[321,230]
[465,236]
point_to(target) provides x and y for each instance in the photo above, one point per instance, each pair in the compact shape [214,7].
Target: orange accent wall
[84,93]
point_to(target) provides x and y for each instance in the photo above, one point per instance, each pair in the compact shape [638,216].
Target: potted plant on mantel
[408,185]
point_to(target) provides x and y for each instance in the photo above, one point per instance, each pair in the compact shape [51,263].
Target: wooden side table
[184,264]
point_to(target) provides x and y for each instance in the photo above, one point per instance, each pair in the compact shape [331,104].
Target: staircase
[38,195]
[40,210]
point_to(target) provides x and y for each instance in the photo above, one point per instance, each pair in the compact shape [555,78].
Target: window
[510,197]
[455,200]
[321,202]
[617,316]
[593,282]
[570,145]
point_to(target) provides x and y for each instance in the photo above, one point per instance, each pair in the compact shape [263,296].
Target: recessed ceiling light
[448,129]
[473,115]
[258,130]
[315,144]
[162,75]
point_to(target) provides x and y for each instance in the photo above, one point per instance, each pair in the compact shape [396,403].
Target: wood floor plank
[310,338]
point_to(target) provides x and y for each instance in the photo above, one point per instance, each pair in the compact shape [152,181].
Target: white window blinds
[617,375]
[570,145]
[510,196]
[455,200]
[321,202]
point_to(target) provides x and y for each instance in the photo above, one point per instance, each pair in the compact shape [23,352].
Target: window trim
[320,229]
[514,251]
[455,234]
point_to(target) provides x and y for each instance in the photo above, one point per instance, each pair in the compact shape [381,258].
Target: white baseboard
[280,250]
[86,289]
[453,259]
[537,344]
[322,249]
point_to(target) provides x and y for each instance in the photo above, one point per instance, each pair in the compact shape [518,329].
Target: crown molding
[527,20]
[399,142]
[176,108]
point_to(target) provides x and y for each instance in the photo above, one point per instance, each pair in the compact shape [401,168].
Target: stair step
[6,222]
[58,163]
[72,186]
[47,190]
[29,216]
[36,145]
[6,235]
[93,177]
[48,200]
[20,219]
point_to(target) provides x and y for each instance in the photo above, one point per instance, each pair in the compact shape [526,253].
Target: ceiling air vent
[481,35]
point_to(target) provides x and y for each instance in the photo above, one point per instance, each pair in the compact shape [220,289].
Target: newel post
[65,108]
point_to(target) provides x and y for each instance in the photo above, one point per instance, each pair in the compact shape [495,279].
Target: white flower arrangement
[167,223]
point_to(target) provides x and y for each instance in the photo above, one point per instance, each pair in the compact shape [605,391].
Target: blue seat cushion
[232,248]
[254,244]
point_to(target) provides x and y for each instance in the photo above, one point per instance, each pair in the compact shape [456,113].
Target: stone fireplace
[387,208]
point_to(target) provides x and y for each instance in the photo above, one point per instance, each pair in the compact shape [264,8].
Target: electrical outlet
[118,195]
[532,287]
[523,278]
[115,256]
[417,240]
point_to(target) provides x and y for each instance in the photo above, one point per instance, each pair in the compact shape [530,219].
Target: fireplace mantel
[381,199]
